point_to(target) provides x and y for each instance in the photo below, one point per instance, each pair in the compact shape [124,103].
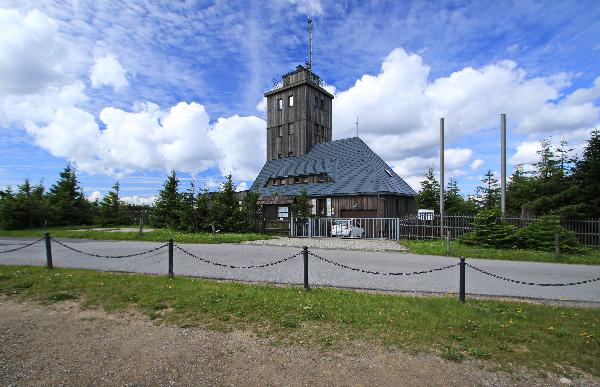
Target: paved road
[321,273]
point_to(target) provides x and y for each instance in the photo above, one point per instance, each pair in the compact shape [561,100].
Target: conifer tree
[67,204]
[302,206]
[488,195]
[428,196]
[168,203]
[586,178]
[112,211]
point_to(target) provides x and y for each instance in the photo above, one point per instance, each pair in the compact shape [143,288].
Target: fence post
[556,245]
[48,251]
[448,243]
[305,256]
[461,291]
[171,275]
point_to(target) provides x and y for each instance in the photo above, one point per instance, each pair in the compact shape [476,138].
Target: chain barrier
[381,272]
[531,283]
[234,266]
[110,256]
[22,247]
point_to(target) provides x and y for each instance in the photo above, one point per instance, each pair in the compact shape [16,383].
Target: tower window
[322,104]
[290,128]
[316,102]
[291,100]
[290,153]
[280,131]
[279,104]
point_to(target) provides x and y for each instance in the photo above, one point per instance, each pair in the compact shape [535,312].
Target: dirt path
[63,344]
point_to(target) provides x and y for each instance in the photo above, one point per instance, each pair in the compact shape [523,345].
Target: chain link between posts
[234,266]
[22,247]
[110,256]
[381,272]
[531,283]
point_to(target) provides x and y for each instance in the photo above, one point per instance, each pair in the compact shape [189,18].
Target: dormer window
[296,180]
[389,172]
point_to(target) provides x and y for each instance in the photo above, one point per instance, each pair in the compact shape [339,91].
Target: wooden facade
[352,206]
[298,115]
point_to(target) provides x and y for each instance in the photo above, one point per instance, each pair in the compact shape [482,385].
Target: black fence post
[48,251]
[305,255]
[461,291]
[171,275]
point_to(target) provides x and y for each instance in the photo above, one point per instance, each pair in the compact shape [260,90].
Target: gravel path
[320,272]
[62,344]
[332,243]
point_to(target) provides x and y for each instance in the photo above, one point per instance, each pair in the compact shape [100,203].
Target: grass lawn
[159,235]
[438,247]
[545,338]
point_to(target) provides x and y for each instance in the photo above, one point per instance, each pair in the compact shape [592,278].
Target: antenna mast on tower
[309,63]
[356,126]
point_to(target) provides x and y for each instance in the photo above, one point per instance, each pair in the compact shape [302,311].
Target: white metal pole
[503,162]
[441,177]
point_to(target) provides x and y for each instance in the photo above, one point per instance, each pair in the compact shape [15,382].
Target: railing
[587,231]
[368,228]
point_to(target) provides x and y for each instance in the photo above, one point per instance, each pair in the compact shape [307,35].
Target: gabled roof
[353,167]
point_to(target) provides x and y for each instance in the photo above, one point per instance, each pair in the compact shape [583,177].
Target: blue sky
[131,90]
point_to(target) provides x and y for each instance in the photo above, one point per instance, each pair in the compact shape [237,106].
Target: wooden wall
[297,122]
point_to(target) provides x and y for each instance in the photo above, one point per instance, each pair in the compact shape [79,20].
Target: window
[279,104]
[291,100]
[322,104]
[282,182]
[275,182]
[280,131]
[279,155]
[316,105]
[321,178]
[282,212]
[290,128]
[306,179]
[290,153]
[389,172]
[296,180]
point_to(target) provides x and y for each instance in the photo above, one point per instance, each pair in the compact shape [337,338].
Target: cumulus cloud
[308,7]
[149,138]
[96,195]
[139,200]
[476,164]
[32,55]
[107,71]
[400,107]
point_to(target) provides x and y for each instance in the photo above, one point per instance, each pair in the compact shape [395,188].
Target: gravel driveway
[322,273]
[332,243]
[61,344]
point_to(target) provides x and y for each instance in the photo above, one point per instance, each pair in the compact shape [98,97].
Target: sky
[131,90]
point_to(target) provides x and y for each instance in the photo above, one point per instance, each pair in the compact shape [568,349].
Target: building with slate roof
[343,178]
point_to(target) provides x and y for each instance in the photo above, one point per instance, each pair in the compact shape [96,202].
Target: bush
[489,230]
[540,236]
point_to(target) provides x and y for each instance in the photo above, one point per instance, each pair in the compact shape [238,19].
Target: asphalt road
[321,273]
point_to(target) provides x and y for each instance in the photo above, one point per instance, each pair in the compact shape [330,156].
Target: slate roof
[353,167]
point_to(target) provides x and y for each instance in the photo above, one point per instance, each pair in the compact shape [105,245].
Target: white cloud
[308,7]
[107,71]
[262,105]
[476,164]
[243,186]
[241,145]
[400,107]
[32,55]
[139,200]
[96,195]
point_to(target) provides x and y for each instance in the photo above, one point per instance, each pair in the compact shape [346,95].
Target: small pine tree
[167,206]
[428,196]
[489,230]
[540,236]
[224,208]
[111,210]
[250,211]
[67,204]
[302,206]
[488,195]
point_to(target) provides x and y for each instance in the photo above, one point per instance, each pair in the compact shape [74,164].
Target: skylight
[388,172]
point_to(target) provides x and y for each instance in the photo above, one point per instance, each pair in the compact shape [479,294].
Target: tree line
[64,204]
[559,183]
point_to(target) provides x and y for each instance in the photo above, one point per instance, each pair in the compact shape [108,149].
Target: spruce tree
[488,195]
[67,204]
[167,206]
[302,206]
[112,211]
[428,196]
[586,178]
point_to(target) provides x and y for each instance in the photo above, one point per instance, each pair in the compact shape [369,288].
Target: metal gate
[370,228]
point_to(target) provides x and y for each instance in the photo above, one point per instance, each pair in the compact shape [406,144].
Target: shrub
[540,235]
[489,230]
